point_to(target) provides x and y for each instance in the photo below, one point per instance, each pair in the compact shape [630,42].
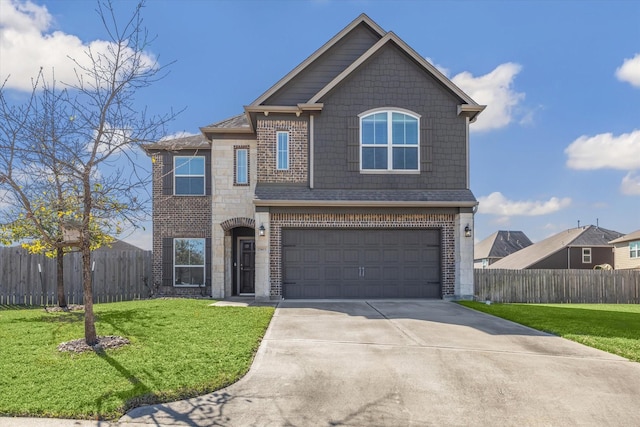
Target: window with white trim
[282,154]
[242,166]
[189,175]
[189,262]
[389,140]
[586,255]
[634,249]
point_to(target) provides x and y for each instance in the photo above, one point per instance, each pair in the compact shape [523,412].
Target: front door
[246,265]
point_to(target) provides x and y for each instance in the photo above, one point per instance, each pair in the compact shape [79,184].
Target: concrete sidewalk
[411,363]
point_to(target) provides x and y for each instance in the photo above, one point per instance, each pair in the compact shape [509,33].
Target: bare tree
[83,154]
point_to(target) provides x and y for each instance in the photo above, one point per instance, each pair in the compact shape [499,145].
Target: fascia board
[304,64]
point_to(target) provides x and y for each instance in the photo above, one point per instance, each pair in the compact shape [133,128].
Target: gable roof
[501,244]
[587,236]
[468,107]
[627,237]
[363,19]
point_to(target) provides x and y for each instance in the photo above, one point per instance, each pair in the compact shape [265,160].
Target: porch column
[464,256]
[263,251]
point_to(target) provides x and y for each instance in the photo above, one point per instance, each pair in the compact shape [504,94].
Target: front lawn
[179,348]
[614,328]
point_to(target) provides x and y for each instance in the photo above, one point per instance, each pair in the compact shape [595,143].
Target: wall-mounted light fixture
[261,230]
[467,231]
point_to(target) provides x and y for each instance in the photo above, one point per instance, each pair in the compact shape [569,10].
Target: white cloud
[444,70]
[605,151]
[25,38]
[496,204]
[629,71]
[495,90]
[631,184]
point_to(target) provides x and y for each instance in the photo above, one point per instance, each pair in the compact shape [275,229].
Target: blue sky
[558,143]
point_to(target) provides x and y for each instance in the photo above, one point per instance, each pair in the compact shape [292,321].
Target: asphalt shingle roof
[581,236]
[183,143]
[501,244]
[293,193]
[235,122]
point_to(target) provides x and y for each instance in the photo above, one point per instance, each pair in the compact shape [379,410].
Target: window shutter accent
[426,146]
[353,144]
[207,173]
[167,261]
[167,174]
[207,262]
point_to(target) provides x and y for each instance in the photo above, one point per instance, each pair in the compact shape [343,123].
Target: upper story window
[634,249]
[282,155]
[389,141]
[242,166]
[586,255]
[189,175]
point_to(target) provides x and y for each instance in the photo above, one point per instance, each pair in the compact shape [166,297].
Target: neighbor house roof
[627,237]
[587,236]
[270,195]
[182,143]
[119,245]
[501,244]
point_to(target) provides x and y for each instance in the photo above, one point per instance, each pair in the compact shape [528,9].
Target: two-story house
[349,178]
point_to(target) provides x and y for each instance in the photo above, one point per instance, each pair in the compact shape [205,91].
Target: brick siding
[298,151]
[176,216]
[443,222]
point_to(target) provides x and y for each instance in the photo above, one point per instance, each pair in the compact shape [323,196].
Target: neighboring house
[119,245]
[577,248]
[349,178]
[627,251]
[497,246]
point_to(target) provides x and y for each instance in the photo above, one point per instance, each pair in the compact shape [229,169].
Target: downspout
[468,154]
[311,150]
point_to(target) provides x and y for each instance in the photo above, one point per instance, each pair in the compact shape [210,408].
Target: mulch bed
[80,345]
[70,307]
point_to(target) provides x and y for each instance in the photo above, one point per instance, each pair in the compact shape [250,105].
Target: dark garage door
[363,263]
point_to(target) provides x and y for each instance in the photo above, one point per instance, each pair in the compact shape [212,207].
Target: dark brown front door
[246,266]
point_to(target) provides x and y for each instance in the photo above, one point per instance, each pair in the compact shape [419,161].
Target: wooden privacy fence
[117,276]
[558,286]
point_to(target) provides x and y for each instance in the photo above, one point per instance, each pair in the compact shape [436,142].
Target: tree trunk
[62,300]
[89,321]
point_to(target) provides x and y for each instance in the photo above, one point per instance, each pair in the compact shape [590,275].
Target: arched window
[389,140]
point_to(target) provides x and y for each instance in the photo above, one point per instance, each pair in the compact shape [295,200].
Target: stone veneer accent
[176,216]
[298,158]
[444,222]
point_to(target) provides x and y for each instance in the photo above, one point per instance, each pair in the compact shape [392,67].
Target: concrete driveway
[412,363]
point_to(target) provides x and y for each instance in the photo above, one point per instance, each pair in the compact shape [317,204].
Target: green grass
[179,348]
[614,328]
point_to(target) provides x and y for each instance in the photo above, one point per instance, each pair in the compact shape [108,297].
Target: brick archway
[238,222]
